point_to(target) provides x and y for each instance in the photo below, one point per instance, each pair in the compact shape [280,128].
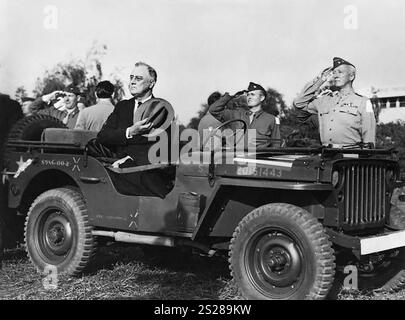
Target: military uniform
[266,125]
[69,119]
[344,118]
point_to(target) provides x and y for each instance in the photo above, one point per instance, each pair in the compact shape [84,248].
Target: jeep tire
[280,251]
[58,233]
[395,275]
[29,128]
[387,277]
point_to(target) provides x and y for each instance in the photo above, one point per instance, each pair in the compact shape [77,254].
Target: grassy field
[133,272]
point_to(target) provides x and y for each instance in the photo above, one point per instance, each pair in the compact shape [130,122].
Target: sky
[200,46]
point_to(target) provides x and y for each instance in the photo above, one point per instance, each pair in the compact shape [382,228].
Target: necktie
[66,118]
[251,116]
[137,104]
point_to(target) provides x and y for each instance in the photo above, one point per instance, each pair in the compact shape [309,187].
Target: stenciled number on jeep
[258,171]
[58,163]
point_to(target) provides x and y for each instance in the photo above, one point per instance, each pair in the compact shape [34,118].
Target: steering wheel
[215,132]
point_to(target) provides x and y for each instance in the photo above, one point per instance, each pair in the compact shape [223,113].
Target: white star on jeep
[22,166]
[20,163]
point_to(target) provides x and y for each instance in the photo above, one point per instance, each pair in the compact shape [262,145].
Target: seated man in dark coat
[129,126]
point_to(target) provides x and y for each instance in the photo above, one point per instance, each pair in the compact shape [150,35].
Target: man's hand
[117,163]
[327,74]
[51,96]
[139,127]
[327,79]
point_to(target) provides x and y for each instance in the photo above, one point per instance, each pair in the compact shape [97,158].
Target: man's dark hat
[339,61]
[73,89]
[255,86]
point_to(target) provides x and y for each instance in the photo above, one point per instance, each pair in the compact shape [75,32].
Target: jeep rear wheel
[58,233]
[280,251]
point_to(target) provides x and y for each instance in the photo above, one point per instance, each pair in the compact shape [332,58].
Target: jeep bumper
[382,242]
[367,245]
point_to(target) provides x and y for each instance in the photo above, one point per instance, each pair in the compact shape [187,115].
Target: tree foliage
[20,93]
[83,73]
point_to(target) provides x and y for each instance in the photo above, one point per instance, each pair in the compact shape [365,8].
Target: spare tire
[30,129]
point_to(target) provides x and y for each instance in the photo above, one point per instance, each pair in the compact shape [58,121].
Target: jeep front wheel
[280,251]
[58,233]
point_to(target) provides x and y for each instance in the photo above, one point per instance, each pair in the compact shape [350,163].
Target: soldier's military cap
[339,61]
[73,89]
[254,86]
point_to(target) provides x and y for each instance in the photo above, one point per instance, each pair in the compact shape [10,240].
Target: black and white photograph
[201,155]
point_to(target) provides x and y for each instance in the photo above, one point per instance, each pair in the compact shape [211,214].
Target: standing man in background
[209,123]
[26,105]
[94,117]
[10,113]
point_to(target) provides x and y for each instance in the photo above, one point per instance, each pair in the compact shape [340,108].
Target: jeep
[287,218]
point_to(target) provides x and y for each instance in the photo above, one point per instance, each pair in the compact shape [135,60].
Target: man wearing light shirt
[121,130]
[94,117]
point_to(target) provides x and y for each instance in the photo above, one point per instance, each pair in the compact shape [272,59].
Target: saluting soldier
[266,125]
[345,117]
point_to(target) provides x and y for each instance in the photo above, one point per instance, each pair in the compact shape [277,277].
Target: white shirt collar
[69,111]
[142,101]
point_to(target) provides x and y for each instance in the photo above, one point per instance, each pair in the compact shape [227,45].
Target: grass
[124,272]
[134,272]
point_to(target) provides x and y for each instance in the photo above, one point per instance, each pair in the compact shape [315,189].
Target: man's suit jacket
[113,133]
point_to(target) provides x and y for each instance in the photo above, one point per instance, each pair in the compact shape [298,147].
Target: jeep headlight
[390,177]
[335,178]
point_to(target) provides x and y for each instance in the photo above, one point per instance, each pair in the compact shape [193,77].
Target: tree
[392,135]
[274,103]
[193,124]
[85,74]
[20,93]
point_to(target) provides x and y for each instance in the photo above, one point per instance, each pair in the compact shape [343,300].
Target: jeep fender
[211,219]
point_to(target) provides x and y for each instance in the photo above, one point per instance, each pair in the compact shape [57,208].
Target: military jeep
[288,219]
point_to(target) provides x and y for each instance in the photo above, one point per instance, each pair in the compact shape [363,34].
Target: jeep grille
[363,190]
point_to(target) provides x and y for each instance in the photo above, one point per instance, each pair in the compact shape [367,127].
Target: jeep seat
[80,138]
